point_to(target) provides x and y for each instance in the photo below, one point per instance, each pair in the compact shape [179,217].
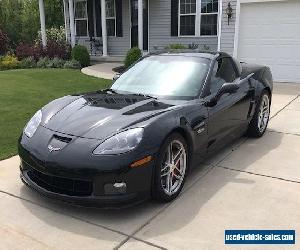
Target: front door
[134,24]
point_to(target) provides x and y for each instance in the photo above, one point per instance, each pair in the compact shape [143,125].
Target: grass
[23,92]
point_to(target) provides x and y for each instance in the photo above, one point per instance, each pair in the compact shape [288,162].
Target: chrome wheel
[264,112]
[173,167]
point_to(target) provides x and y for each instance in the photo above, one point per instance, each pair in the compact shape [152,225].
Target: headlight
[120,143]
[33,124]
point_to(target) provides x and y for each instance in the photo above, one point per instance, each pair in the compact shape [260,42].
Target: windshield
[165,76]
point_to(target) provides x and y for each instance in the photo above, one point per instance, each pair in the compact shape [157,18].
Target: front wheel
[170,169]
[259,122]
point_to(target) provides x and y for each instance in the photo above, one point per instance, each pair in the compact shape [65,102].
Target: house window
[209,17]
[110,17]
[187,17]
[81,18]
[198,17]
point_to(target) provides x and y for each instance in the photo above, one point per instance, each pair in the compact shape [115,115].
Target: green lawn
[23,92]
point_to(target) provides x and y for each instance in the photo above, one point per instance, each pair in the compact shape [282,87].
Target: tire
[259,122]
[168,179]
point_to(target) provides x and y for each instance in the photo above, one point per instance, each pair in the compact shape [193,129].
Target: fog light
[115,188]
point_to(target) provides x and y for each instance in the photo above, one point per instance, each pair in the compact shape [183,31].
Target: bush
[28,63]
[132,56]
[4,42]
[9,62]
[43,62]
[25,50]
[54,49]
[81,54]
[56,35]
[193,46]
[72,64]
[176,46]
[56,63]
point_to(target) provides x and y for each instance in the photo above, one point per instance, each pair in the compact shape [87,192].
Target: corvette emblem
[51,148]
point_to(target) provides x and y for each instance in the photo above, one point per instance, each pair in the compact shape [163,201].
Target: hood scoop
[57,143]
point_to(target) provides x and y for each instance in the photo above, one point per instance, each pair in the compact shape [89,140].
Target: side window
[223,71]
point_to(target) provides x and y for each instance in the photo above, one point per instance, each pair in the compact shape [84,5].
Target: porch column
[104,30]
[140,24]
[72,22]
[43,25]
[66,18]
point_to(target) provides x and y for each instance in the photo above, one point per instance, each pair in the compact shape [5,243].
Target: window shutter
[98,18]
[119,18]
[90,13]
[174,17]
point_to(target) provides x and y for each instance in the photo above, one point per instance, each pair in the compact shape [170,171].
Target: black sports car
[140,138]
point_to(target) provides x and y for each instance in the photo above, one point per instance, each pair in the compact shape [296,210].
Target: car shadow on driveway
[201,187]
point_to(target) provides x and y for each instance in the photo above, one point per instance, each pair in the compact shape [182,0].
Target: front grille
[67,186]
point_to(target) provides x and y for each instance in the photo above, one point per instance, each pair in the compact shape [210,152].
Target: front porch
[108,28]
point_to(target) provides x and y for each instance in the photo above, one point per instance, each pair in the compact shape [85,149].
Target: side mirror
[116,76]
[226,88]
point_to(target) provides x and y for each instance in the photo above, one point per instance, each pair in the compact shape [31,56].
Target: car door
[230,112]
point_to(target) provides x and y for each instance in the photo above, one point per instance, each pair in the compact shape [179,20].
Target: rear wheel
[259,122]
[171,168]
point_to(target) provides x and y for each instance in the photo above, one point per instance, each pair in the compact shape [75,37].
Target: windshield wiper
[145,95]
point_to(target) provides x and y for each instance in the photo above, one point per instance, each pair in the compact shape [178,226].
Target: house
[259,31]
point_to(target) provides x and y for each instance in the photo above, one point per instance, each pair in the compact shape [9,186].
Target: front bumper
[112,201]
[77,178]
[87,196]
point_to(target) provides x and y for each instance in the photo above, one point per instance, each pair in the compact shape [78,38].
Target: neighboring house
[259,31]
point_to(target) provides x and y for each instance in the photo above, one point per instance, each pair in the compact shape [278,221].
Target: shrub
[43,62]
[56,63]
[72,64]
[25,50]
[54,49]
[193,46]
[37,51]
[9,62]
[206,47]
[56,35]
[176,46]
[4,42]
[28,62]
[132,56]
[81,54]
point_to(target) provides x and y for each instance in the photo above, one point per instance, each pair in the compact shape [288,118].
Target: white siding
[160,28]
[227,31]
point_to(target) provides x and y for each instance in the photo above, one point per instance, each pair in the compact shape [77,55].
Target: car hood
[98,115]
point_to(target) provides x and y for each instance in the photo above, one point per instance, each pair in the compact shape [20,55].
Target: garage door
[270,34]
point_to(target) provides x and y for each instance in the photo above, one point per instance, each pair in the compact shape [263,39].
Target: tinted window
[223,71]
[173,76]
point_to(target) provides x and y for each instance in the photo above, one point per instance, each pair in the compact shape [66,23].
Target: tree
[10,19]
[4,42]
[20,19]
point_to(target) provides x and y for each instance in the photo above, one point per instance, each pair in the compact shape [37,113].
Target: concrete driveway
[252,184]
